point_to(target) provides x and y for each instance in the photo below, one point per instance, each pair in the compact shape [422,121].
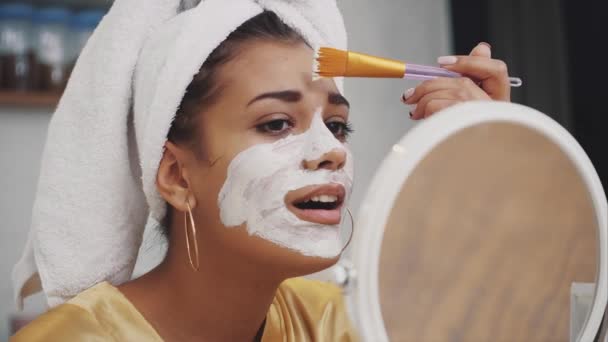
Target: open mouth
[318,203]
[323,202]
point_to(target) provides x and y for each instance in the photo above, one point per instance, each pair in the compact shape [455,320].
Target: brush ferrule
[362,65]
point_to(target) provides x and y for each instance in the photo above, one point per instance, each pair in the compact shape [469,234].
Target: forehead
[264,65]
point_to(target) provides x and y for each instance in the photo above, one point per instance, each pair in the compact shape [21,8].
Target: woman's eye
[340,130]
[274,127]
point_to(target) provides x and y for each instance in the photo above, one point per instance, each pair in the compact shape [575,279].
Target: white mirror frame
[405,157]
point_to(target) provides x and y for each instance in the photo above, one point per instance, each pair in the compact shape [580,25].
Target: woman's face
[275,172]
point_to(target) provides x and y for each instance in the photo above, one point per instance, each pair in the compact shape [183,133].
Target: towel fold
[97,182]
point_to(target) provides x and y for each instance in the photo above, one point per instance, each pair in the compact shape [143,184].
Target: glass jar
[82,25]
[16,57]
[52,49]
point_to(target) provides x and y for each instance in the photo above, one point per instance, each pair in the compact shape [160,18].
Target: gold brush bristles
[332,62]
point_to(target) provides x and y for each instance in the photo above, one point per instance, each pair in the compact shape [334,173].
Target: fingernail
[486,44]
[446,60]
[412,110]
[408,93]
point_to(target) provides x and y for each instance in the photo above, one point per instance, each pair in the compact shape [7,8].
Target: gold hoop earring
[186,214]
[352,230]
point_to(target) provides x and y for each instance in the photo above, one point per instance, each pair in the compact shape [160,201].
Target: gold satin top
[302,310]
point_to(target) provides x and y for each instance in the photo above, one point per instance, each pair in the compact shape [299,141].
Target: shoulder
[101,313]
[66,322]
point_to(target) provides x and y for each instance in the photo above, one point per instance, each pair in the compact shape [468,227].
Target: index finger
[492,73]
[480,68]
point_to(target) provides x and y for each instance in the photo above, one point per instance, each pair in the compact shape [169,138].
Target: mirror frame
[405,156]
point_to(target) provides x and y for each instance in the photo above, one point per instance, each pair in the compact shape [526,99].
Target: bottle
[51,39]
[16,70]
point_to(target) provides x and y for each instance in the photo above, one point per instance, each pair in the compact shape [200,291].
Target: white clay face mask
[259,178]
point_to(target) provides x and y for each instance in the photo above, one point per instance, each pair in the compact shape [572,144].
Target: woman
[256,159]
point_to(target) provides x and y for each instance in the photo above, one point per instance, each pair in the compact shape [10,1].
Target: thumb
[482,49]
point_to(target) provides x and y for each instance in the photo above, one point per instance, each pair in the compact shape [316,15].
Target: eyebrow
[285,96]
[337,99]
[295,96]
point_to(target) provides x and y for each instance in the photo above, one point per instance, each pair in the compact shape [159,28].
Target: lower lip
[329,217]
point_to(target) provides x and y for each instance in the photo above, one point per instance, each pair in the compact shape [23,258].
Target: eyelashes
[279,127]
[341,130]
[275,127]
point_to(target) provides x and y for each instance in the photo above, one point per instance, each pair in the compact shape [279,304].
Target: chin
[297,264]
[310,260]
[282,261]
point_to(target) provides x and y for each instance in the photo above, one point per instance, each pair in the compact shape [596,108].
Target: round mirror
[487,222]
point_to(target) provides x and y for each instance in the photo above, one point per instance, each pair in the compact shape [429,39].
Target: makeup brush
[332,62]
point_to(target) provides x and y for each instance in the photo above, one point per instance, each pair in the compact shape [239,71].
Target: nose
[333,160]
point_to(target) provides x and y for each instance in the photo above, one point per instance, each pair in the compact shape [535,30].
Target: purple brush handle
[425,72]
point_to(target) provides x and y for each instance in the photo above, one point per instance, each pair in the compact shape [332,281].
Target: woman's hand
[487,79]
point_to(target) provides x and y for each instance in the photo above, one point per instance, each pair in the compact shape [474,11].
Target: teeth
[324,198]
[328,199]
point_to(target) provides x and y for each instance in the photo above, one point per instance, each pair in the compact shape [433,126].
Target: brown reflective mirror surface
[485,239]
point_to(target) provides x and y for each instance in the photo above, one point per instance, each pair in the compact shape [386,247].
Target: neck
[226,300]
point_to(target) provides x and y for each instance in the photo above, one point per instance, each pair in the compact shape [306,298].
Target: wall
[408,29]
[412,30]
[22,134]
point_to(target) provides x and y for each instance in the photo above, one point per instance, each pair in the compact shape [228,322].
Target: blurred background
[552,45]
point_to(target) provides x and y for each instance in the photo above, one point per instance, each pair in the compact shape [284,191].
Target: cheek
[248,167]
[349,166]
[222,146]
[207,185]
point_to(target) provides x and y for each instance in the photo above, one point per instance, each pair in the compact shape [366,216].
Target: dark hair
[204,89]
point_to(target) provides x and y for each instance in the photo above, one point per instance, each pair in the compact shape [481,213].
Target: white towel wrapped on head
[105,141]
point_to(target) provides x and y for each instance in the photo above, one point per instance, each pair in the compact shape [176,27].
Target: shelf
[76,4]
[29,99]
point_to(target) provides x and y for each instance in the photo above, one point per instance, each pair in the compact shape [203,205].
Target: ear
[172,178]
